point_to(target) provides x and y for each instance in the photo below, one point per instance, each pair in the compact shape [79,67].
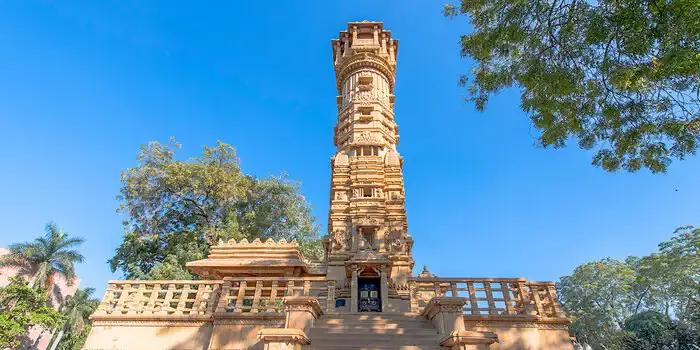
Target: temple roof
[256,258]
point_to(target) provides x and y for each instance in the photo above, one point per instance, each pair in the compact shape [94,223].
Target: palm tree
[76,310]
[46,257]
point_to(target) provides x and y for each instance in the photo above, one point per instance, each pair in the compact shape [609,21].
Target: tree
[649,330]
[76,309]
[620,76]
[22,307]
[46,257]
[177,209]
[598,298]
[75,341]
[641,302]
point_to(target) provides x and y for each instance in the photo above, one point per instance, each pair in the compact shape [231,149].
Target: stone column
[384,288]
[354,239]
[353,290]
[447,316]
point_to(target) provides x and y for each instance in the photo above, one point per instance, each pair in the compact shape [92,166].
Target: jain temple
[364,294]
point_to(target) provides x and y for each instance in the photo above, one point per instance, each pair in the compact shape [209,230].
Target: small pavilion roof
[256,258]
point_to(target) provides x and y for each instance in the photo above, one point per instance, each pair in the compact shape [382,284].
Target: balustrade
[159,298]
[490,296]
[265,294]
[204,298]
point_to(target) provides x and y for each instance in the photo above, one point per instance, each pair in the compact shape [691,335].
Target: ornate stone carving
[258,242]
[395,241]
[341,195]
[341,159]
[368,221]
[515,324]
[426,273]
[365,138]
[392,158]
[341,240]
[395,195]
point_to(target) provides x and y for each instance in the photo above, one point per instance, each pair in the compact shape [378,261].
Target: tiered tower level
[367,228]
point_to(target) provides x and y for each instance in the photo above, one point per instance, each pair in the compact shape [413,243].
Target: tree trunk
[54,345]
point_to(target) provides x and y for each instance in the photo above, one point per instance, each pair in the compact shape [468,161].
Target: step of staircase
[340,331]
[373,331]
[373,347]
[369,347]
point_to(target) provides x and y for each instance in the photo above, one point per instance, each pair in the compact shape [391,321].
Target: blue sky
[83,84]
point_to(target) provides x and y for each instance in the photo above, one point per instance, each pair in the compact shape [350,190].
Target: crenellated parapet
[256,258]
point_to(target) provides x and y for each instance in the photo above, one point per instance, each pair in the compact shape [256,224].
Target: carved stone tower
[367,229]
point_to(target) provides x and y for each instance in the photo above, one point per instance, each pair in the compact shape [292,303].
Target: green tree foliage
[22,307]
[76,309]
[177,209]
[654,330]
[620,76]
[45,257]
[640,302]
[75,340]
[598,297]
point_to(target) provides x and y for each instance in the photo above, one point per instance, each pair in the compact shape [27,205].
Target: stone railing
[265,294]
[203,299]
[159,298]
[490,297]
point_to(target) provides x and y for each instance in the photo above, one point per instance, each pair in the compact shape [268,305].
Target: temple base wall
[524,335]
[149,335]
[225,332]
[397,305]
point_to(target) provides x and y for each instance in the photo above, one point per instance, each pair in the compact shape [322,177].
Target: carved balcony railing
[490,297]
[193,299]
[265,294]
[159,298]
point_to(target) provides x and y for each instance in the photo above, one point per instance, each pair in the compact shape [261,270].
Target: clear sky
[84,83]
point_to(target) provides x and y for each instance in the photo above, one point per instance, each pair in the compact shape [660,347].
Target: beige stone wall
[149,335]
[218,335]
[525,335]
[397,305]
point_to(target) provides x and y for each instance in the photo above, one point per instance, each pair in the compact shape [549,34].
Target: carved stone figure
[341,240]
[341,195]
[395,241]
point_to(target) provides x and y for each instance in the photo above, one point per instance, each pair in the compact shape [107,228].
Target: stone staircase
[371,331]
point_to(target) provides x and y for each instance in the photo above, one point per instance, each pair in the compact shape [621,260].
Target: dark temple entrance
[369,298]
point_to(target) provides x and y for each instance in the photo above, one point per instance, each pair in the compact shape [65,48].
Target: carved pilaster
[283,338]
[353,290]
[384,287]
[301,312]
[446,313]
[330,303]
